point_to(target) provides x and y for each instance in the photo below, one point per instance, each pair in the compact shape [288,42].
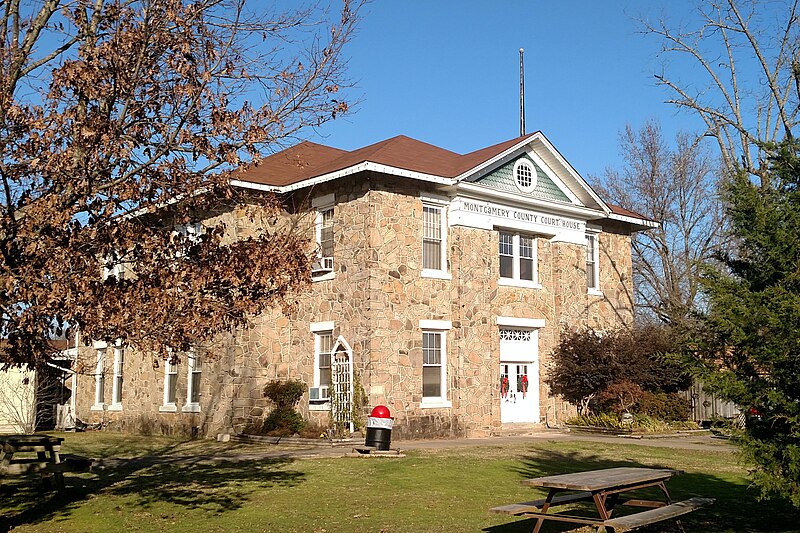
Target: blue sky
[447,73]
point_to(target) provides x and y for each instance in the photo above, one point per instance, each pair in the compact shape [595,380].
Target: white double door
[519,376]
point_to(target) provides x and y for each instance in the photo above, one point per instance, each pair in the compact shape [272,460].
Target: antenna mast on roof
[521,93]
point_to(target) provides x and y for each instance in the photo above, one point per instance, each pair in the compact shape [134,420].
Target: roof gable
[503,178]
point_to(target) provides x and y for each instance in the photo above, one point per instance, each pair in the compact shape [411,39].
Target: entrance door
[519,376]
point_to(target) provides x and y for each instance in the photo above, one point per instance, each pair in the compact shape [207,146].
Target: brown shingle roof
[617,210]
[294,164]
[308,160]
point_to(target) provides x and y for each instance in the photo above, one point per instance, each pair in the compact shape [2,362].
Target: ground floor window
[170,384]
[116,390]
[100,379]
[432,368]
[323,344]
[194,372]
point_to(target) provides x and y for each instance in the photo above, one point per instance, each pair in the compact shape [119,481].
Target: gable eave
[365,166]
[551,157]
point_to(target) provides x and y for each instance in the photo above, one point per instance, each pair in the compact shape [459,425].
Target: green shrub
[284,421]
[664,406]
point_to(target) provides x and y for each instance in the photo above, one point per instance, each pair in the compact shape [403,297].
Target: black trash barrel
[379,429]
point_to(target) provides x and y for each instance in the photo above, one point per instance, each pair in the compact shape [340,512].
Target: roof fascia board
[480,192]
[634,221]
[354,169]
[569,168]
[491,161]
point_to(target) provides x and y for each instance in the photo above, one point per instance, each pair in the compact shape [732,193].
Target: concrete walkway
[691,441]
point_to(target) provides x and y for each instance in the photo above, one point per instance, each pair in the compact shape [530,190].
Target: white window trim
[191,362]
[440,327]
[596,290]
[320,328]
[515,281]
[514,322]
[167,406]
[441,204]
[116,386]
[534,176]
[321,204]
[99,378]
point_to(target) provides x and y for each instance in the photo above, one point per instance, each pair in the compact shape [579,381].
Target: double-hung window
[324,234]
[434,240]
[116,389]
[592,264]
[170,385]
[518,259]
[322,268]
[323,344]
[100,380]
[434,363]
[194,373]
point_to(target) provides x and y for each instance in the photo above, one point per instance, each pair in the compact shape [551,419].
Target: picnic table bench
[49,462]
[605,488]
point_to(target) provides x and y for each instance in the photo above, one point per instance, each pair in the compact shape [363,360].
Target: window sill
[435,274]
[115,407]
[98,407]
[435,404]
[191,408]
[595,292]
[168,408]
[319,406]
[323,277]
[519,283]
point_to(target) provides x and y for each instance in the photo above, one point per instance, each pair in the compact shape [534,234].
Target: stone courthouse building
[442,284]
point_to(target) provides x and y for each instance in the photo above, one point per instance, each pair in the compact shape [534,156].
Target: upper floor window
[518,261]
[189,234]
[592,263]
[524,175]
[324,238]
[434,241]
[113,267]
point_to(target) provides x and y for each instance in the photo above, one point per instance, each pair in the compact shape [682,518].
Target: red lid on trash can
[380,411]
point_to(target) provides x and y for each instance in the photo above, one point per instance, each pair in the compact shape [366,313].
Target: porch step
[518,429]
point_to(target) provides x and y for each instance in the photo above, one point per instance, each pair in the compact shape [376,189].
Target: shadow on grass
[215,486]
[736,509]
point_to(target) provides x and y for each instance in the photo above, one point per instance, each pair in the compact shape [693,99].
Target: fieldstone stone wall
[376,300]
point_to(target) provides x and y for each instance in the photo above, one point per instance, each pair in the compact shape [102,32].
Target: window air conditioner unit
[322,266]
[316,394]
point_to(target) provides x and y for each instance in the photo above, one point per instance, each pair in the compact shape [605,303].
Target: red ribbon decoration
[504,387]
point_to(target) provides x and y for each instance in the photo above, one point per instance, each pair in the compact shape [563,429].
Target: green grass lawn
[436,490]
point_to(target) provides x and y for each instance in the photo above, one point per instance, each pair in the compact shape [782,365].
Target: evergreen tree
[751,333]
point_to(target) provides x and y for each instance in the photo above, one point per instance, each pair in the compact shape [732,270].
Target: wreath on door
[504,386]
[524,387]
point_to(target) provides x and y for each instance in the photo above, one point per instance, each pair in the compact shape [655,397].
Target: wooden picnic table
[605,488]
[47,460]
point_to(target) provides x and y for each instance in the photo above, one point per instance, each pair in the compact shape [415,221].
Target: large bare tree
[121,120]
[676,186]
[736,64]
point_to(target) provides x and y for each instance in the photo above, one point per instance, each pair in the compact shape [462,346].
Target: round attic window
[524,175]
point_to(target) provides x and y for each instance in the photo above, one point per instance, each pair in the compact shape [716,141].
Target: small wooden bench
[536,505]
[626,523]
